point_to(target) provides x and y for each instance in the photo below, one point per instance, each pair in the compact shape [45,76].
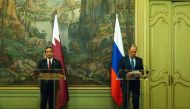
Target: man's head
[49,52]
[132,50]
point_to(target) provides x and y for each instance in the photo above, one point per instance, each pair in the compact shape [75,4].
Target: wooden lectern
[132,74]
[52,74]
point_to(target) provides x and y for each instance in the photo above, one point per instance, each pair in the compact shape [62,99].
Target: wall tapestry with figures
[86,32]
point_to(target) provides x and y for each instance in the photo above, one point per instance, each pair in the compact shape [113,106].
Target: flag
[62,93]
[117,54]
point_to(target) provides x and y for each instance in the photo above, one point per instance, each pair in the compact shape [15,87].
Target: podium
[133,74]
[49,74]
[131,83]
[50,82]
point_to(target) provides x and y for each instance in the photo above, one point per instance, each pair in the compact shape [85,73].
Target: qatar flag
[62,94]
[117,54]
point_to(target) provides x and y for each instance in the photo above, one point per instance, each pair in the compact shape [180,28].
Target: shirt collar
[131,58]
[51,59]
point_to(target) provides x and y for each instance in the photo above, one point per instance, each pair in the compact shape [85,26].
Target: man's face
[49,53]
[132,52]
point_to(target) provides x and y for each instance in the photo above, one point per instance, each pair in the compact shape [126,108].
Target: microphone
[147,70]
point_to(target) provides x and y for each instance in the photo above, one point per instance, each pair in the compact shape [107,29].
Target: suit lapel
[136,63]
[45,64]
[128,63]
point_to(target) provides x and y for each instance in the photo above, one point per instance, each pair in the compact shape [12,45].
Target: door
[169,84]
[181,55]
[160,50]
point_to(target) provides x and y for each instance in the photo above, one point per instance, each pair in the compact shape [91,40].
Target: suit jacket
[124,64]
[43,68]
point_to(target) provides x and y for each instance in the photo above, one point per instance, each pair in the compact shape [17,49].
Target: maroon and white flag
[62,94]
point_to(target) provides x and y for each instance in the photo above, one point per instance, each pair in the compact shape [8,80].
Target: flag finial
[56,11]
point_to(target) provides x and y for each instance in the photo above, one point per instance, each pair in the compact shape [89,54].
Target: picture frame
[86,32]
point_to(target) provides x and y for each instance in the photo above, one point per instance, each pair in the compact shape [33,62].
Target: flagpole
[62,94]
[117,54]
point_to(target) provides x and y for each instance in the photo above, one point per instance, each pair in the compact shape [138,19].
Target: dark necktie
[132,64]
[49,64]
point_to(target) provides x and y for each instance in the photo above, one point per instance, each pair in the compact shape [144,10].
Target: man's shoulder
[56,60]
[138,58]
[124,58]
[42,60]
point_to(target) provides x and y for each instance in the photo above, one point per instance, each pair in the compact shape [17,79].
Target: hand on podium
[134,74]
[128,75]
[137,73]
[34,75]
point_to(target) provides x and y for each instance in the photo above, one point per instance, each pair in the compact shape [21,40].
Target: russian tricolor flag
[117,54]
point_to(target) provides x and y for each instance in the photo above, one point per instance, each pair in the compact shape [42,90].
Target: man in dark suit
[131,82]
[48,88]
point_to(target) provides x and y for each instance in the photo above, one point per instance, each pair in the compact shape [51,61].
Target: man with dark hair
[131,82]
[48,88]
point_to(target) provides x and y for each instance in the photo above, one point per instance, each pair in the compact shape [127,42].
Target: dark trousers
[128,87]
[48,93]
